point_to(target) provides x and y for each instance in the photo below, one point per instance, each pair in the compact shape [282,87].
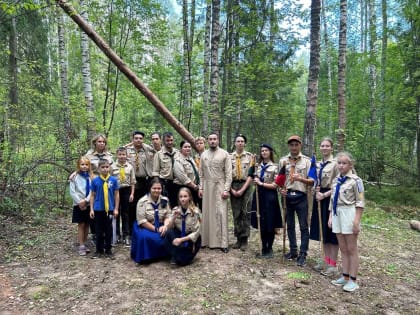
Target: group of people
[172,203]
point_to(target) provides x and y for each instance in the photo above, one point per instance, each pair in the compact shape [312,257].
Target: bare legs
[349,253]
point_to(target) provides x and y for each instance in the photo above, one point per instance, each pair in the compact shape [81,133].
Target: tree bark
[131,76]
[312,93]
[62,56]
[206,66]
[214,76]
[341,93]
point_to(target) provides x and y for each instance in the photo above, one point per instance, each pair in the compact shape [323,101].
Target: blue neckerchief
[320,171]
[340,181]
[183,228]
[86,176]
[156,208]
[264,166]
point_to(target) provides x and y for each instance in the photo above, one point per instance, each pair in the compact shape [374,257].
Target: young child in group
[126,181]
[346,209]
[104,203]
[80,193]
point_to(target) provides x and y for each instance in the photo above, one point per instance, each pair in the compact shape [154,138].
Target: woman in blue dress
[268,201]
[149,230]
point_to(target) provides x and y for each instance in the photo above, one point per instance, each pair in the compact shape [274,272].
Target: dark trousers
[103,226]
[169,190]
[140,190]
[183,254]
[300,207]
[123,213]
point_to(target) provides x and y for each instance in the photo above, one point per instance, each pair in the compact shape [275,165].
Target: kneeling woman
[153,214]
[183,240]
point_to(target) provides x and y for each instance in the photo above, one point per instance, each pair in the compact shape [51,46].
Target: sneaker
[127,241]
[350,286]
[173,261]
[330,271]
[301,260]
[82,250]
[87,249]
[319,266]
[339,282]
[291,255]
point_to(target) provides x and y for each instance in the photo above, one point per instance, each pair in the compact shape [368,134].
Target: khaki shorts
[343,221]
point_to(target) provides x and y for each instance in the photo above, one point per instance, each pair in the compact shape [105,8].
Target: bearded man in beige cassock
[215,178]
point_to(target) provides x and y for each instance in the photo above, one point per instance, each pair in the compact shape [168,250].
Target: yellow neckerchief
[238,166]
[105,188]
[122,173]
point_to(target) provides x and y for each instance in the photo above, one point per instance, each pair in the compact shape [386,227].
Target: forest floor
[41,273]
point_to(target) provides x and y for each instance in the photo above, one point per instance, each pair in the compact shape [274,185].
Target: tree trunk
[11,107]
[341,93]
[186,80]
[62,56]
[87,80]
[131,76]
[214,76]
[206,72]
[383,69]
[312,93]
[329,122]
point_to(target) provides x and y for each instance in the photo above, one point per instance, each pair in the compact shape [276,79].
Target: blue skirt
[146,245]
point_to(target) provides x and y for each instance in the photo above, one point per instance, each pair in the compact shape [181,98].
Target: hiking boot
[244,244]
[350,286]
[97,255]
[319,266]
[291,255]
[238,244]
[109,254]
[269,254]
[330,271]
[301,260]
[173,261]
[82,250]
[339,282]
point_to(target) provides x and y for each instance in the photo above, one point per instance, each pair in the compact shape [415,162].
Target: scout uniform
[95,156]
[126,179]
[185,224]
[186,172]
[240,205]
[148,244]
[296,201]
[138,158]
[163,165]
[350,196]
[269,207]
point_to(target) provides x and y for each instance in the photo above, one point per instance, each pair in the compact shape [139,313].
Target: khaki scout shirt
[130,176]
[140,159]
[245,160]
[329,172]
[192,222]
[351,192]
[185,170]
[302,166]
[146,213]
[163,163]
[270,172]
[94,158]
[150,160]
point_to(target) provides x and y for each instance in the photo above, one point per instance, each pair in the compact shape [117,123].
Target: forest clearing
[41,273]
